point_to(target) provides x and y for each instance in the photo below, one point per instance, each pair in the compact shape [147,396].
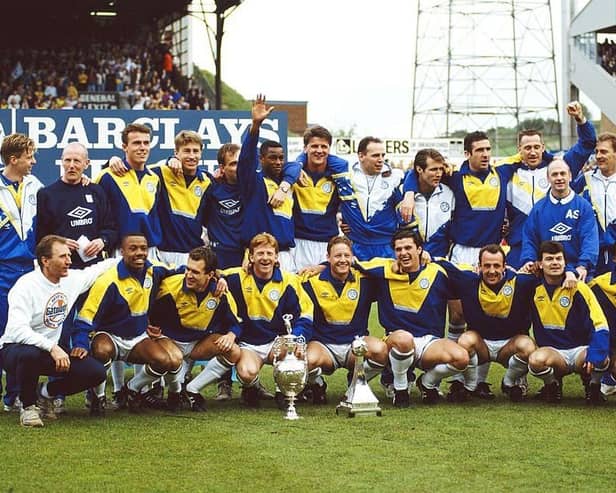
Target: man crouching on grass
[38,305]
[570,329]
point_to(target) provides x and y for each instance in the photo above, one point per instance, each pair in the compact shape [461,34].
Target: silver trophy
[359,399]
[290,372]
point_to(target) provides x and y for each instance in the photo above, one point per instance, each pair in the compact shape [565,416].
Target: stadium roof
[58,22]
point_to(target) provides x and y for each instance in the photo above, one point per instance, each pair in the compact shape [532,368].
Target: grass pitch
[476,446]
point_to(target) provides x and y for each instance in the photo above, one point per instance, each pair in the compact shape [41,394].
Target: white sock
[432,378]
[44,392]
[400,363]
[372,369]
[482,372]
[99,390]
[214,369]
[314,376]
[145,376]
[117,375]
[173,379]
[455,331]
[470,374]
[516,368]
[546,375]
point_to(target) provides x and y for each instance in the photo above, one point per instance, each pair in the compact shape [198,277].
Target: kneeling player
[342,303]
[412,301]
[570,329]
[116,311]
[204,326]
[263,295]
[496,305]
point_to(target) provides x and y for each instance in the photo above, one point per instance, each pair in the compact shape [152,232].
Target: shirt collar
[566,200]
[124,272]
[326,275]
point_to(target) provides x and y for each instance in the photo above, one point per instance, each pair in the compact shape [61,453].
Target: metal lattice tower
[482,64]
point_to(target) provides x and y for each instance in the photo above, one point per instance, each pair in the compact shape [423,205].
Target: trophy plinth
[359,399]
[290,372]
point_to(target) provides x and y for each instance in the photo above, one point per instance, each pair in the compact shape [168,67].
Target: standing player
[530,182]
[342,299]
[570,329]
[265,194]
[316,201]
[565,217]
[369,194]
[598,186]
[412,302]
[76,212]
[18,190]
[264,294]
[202,325]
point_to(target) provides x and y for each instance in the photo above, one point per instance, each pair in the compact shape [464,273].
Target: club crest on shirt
[32,199]
[327,187]
[56,310]
[147,282]
[444,207]
[198,191]
[211,304]
[352,294]
[274,295]
[543,183]
[150,188]
[493,182]
[424,283]
[507,290]
[564,301]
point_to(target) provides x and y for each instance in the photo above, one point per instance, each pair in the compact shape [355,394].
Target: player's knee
[525,348]
[459,358]
[537,360]
[102,351]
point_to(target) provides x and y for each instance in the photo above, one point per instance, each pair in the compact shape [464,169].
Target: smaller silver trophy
[359,399]
[290,372]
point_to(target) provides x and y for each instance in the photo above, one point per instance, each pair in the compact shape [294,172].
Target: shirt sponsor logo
[560,231]
[56,310]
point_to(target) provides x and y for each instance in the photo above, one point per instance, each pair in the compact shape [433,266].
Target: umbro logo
[229,203]
[560,229]
[79,212]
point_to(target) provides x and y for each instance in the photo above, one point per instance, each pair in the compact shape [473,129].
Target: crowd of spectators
[607,56]
[145,77]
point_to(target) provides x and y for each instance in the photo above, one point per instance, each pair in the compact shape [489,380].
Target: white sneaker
[46,406]
[30,416]
[13,408]
[608,389]
[389,390]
